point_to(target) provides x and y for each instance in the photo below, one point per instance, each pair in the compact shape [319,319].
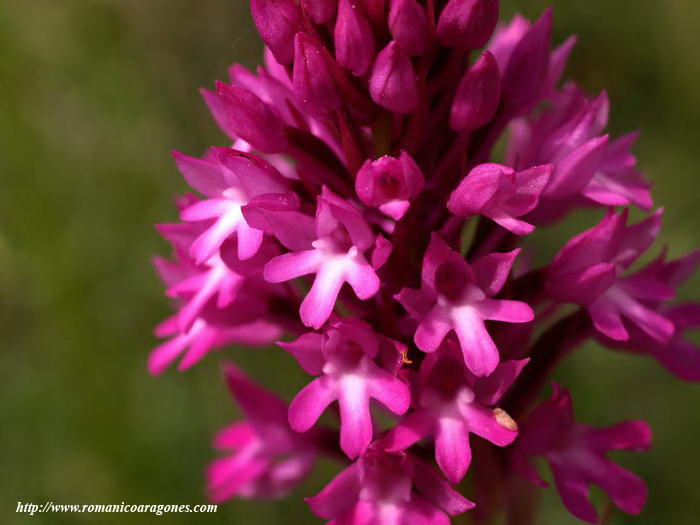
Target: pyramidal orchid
[357,215]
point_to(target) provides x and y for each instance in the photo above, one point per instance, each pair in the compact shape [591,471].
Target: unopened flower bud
[467,24]
[277,22]
[312,79]
[354,41]
[251,119]
[388,183]
[478,94]
[528,65]
[320,11]
[409,26]
[392,83]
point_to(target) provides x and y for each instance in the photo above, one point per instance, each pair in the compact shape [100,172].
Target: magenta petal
[218,112]
[528,64]
[234,436]
[415,302]
[431,485]
[583,287]
[607,320]
[422,512]
[477,189]
[259,405]
[278,215]
[411,429]
[491,389]
[574,494]
[204,176]
[308,350]
[164,354]
[318,304]
[627,490]
[493,270]
[682,359]
[513,225]
[628,435]
[310,403]
[573,173]
[227,476]
[339,495]
[482,422]
[252,119]
[506,311]
[390,391]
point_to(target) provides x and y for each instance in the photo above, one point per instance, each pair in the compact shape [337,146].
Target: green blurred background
[93,95]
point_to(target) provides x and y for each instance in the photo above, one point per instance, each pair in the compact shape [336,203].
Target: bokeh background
[93,95]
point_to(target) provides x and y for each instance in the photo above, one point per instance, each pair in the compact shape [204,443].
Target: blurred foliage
[93,95]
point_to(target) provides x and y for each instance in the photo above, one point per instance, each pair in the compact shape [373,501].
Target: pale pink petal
[480,352]
[363,279]
[292,265]
[452,451]
[355,418]
[433,329]
[249,240]
[318,304]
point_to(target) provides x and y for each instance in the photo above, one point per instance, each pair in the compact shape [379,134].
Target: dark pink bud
[478,94]
[392,83]
[277,22]
[389,183]
[320,11]
[528,65]
[354,41]
[467,24]
[313,77]
[409,26]
[251,119]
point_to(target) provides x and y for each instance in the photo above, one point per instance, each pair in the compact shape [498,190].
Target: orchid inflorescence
[363,154]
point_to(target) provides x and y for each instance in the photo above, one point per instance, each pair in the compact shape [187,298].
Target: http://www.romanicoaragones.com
[155,509]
